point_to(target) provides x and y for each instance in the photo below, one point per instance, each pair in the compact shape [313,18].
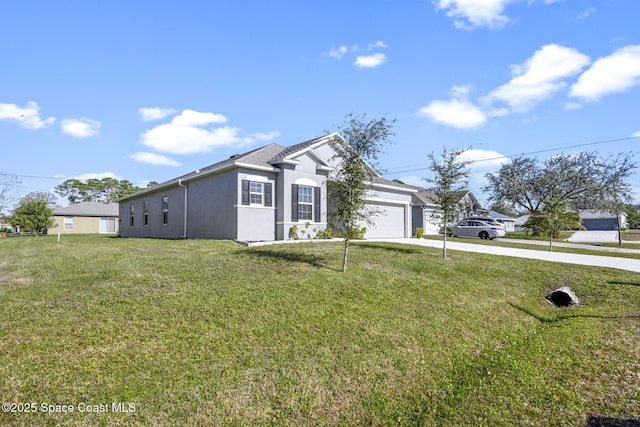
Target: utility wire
[522,154]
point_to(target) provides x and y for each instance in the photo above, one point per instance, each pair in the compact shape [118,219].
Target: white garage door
[389,223]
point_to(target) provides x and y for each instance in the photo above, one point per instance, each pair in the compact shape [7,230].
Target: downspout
[184,232]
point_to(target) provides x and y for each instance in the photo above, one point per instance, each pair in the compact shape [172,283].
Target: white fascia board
[197,175]
[390,187]
[387,201]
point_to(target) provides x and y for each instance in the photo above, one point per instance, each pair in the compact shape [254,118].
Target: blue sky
[144,91]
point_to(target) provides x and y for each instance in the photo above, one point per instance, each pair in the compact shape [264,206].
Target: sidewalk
[591,260]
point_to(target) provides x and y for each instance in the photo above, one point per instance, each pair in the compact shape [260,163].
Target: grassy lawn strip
[534,247]
[206,333]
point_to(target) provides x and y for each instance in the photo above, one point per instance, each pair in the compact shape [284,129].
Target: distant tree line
[105,190]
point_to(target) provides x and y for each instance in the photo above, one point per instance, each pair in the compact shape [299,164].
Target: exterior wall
[417,219]
[155,226]
[255,222]
[212,206]
[81,224]
[303,174]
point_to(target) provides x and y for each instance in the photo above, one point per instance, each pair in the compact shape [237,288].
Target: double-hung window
[305,203]
[145,211]
[132,210]
[68,223]
[256,193]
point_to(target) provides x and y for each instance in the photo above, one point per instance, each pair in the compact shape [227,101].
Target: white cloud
[27,117]
[611,74]
[377,45]
[176,139]
[260,136]
[636,135]
[80,128]
[338,52]
[196,118]
[470,14]
[154,159]
[587,13]
[539,77]
[370,61]
[195,132]
[483,159]
[457,113]
[153,113]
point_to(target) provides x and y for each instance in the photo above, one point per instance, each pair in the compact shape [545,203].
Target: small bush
[293,232]
[419,232]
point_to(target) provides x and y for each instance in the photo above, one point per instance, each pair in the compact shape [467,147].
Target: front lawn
[204,332]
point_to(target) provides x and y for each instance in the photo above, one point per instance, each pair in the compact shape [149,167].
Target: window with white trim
[146,213]
[305,203]
[255,193]
[132,210]
[68,223]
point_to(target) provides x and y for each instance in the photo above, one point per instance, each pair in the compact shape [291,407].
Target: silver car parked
[475,228]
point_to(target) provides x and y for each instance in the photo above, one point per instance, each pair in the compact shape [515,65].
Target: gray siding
[211,211]
[155,226]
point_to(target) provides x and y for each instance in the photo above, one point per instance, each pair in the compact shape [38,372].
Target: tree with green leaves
[581,181]
[105,190]
[357,148]
[34,213]
[552,219]
[450,176]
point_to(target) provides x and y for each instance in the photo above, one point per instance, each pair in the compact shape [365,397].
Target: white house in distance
[86,217]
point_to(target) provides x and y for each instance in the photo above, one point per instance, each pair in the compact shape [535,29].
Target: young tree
[552,219]
[450,177]
[582,180]
[8,190]
[34,213]
[357,151]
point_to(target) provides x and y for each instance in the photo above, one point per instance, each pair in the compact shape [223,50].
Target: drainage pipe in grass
[184,231]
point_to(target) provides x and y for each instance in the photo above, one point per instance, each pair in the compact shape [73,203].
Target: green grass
[212,333]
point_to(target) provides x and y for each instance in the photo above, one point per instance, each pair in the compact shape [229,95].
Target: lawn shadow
[619,282]
[612,422]
[568,316]
[403,249]
[313,260]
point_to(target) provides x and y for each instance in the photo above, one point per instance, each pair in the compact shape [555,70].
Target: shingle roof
[88,209]
[295,148]
[258,157]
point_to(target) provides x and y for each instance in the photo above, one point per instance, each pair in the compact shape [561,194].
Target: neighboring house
[258,196]
[509,223]
[601,220]
[85,217]
[427,214]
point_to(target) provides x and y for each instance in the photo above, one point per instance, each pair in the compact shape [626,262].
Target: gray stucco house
[258,196]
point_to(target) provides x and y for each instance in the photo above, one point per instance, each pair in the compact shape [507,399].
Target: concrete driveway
[595,236]
[592,260]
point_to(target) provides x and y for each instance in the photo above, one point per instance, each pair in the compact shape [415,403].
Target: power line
[525,154]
